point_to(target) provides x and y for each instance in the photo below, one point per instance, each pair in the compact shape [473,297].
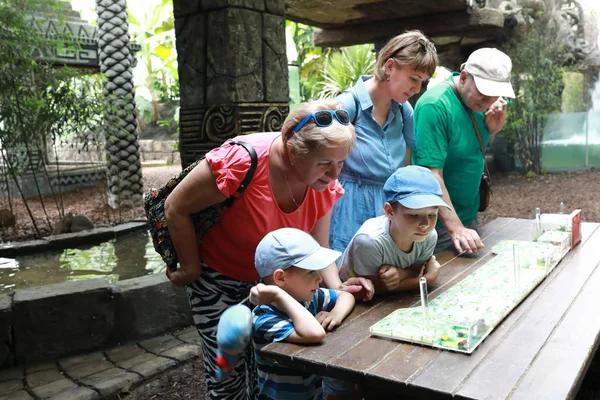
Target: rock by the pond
[72,223]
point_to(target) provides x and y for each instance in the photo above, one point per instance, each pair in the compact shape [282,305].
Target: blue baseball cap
[414,187]
[288,247]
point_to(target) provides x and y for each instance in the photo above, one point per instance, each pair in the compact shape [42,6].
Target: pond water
[125,257]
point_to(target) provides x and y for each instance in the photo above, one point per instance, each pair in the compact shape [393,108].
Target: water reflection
[126,257]
[99,258]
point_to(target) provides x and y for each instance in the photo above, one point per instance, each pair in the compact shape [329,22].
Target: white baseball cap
[491,71]
[287,247]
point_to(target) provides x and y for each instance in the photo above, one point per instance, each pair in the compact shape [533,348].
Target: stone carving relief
[206,127]
[564,21]
[273,119]
[220,123]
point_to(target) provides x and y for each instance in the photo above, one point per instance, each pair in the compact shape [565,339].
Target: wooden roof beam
[443,24]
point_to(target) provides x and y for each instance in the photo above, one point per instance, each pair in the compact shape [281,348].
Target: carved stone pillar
[232,71]
[122,145]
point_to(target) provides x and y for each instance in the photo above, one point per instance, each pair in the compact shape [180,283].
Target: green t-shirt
[445,138]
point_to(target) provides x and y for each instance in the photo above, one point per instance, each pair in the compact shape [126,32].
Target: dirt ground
[514,196]
[183,383]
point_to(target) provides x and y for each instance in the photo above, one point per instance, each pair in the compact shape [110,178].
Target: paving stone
[70,362]
[20,395]
[190,335]
[11,386]
[10,374]
[112,381]
[53,388]
[183,352]
[102,376]
[158,346]
[42,378]
[156,341]
[76,393]
[185,331]
[79,371]
[142,358]
[124,353]
[40,367]
[153,367]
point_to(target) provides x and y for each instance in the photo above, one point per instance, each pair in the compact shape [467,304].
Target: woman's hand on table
[361,288]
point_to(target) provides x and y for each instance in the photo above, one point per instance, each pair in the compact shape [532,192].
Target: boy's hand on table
[431,270]
[391,276]
[361,288]
[328,320]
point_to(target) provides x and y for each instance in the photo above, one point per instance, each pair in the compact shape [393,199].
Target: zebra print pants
[209,297]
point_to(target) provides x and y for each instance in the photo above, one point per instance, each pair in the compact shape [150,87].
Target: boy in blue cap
[396,249]
[293,308]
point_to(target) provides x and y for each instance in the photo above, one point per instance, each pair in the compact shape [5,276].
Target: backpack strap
[253,165]
[357,106]
[470,113]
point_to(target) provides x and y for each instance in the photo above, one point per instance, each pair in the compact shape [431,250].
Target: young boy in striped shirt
[293,308]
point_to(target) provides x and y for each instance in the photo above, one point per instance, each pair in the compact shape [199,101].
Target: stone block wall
[154,150]
[54,321]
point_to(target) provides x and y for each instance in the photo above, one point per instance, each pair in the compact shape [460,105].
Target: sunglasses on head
[325,118]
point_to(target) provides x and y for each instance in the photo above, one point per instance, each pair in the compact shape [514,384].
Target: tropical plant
[152,27]
[537,78]
[344,67]
[573,95]
[39,103]
[311,59]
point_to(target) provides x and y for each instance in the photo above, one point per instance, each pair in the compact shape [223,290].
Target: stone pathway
[100,374]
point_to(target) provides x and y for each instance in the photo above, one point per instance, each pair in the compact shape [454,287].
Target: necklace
[288,187]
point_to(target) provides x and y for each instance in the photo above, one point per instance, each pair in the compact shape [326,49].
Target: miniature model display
[461,317]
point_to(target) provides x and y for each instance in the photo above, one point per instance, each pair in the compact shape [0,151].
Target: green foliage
[573,95]
[326,73]
[39,103]
[311,60]
[153,28]
[344,67]
[538,82]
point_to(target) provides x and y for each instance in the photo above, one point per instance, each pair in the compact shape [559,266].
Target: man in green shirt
[447,143]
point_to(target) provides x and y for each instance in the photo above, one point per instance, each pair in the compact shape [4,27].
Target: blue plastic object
[233,335]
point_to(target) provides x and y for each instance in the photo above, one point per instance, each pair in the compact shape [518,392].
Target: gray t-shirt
[372,247]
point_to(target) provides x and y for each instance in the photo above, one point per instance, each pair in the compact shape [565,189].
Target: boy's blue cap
[288,247]
[414,187]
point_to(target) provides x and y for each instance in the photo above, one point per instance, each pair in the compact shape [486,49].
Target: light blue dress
[377,154]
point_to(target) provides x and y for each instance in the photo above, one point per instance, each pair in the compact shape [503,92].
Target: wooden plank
[449,369]
[357,330]
[517,350]
[351,351]
[365,355]
[560,366]
[494,226]
[485,231]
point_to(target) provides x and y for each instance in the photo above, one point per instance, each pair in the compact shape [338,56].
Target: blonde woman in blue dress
[383,119]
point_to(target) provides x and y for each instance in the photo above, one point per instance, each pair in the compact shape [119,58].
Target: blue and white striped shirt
[272,325]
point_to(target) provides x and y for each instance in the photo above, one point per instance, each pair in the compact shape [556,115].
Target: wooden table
[541,350]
